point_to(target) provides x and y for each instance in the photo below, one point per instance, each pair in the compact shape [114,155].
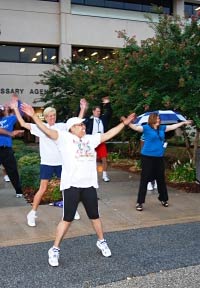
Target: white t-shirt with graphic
[79,160]
[49,152]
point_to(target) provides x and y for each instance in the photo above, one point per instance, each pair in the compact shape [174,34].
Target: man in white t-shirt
[51,162]
[79,175]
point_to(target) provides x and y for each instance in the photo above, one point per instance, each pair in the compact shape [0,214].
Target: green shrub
[182,172]
[122,149]
[113,156]
[29,170]
[29,160]
[138,164]
[20,149]
[30,176]
[56,194]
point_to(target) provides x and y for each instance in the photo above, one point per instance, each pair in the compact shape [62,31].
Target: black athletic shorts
[74,195]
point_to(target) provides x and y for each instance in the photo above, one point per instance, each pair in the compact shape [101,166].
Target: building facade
[35,35]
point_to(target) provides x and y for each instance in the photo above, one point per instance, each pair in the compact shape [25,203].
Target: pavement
[158,247]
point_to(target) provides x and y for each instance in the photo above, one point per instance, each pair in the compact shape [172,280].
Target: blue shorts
[47,172]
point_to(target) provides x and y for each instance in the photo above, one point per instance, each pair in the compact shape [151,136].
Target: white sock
[102,240]
[56,248]
[104,173]
[33,212]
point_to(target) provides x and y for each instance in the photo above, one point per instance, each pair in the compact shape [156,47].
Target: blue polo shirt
[153,141]
[7,122]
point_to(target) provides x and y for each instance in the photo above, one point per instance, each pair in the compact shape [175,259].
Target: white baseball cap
[73,121]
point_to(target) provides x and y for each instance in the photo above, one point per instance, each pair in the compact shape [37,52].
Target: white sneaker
[102,245]
[155,186]
[77,216]
[6,178]
[149,186]
[106,178]
[53,256]
[19,195]
[31,219]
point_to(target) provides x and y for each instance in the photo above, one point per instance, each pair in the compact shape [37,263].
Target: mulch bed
[187,187]
[29,193]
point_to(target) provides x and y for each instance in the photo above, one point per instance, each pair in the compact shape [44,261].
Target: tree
[162,73]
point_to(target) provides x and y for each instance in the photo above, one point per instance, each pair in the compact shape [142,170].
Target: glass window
[146,6]
[27,54]
[9,53]
[50,55]
[30,55]
[114,4]
[95,2]
[86,53]
[78,2]
[190,9]
[134,5]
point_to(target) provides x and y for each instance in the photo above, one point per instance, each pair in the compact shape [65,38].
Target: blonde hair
[48,110]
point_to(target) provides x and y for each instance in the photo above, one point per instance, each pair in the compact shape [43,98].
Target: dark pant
[74,195]
[152,168]
[9,162]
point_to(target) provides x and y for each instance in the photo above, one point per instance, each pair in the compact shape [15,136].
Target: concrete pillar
[65,48]
[178,8]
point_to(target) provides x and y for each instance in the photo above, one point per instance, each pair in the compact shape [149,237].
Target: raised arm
[15,98]
[114,131]
[14,106]
[10,133]
[178,125]
[83,108]
[28,110]
[137,128]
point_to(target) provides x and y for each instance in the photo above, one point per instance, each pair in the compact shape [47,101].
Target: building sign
[21,91]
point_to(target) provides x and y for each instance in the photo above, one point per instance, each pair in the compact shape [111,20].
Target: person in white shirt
[50,163]
[79,175]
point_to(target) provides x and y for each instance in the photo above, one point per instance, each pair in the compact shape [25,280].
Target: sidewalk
[147,251]
[117,209]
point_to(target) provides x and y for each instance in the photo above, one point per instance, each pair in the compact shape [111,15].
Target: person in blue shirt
[7,123]
[152,160]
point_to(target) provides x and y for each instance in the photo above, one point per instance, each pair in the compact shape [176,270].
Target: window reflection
[86,53]
[134,5]
[31,54]
[49,56]
[27,54]
[190,9]
[9,54]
